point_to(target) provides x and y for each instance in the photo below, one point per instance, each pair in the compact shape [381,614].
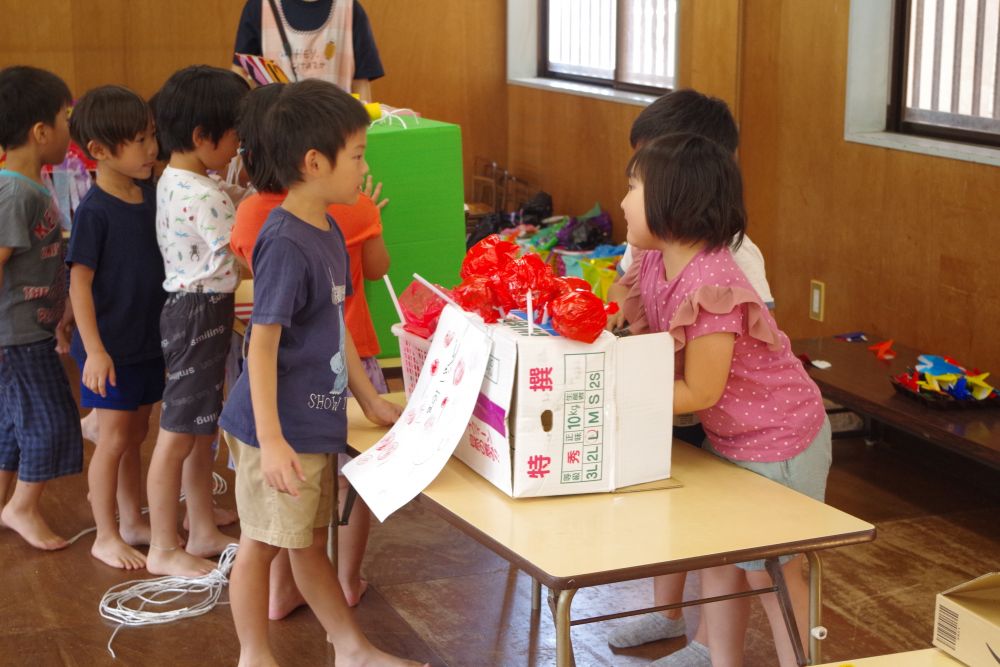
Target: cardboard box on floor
[556,416]
[967,621]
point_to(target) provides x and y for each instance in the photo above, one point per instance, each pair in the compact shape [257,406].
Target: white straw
[392,295]
[530,315]
[434,289]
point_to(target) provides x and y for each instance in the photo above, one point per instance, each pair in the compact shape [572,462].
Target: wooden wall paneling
[447,61]
[575,148]
[163,37]
[902,240]
[100,46]
[709,48]
[38,38]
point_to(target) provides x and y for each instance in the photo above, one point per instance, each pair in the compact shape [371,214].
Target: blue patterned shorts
[39,422]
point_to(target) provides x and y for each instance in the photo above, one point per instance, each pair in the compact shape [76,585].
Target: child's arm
[376,409]
[64,330]
[5,254]
[278,461]
[374,258]
[98,369]
[707,360]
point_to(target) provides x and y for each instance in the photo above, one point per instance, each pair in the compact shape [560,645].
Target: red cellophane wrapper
[488,257]
[520,275]
[476,295]
[579,315]
[572,284]
[421,309]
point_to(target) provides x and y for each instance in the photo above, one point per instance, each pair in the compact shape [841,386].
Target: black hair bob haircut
[253,130]
[693,190]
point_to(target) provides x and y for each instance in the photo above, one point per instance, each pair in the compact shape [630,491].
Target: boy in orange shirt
[361,226]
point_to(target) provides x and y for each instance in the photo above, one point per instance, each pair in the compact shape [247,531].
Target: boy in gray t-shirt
[39,423]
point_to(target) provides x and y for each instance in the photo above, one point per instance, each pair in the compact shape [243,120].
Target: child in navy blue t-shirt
[286,416]
[116,288]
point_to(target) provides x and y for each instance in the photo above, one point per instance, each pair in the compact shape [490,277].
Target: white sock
[647,628]
[692,655]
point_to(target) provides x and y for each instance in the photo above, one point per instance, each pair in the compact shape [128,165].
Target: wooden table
[930,657]
[572,542]
[859,381]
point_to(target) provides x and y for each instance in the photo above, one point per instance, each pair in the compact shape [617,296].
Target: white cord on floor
[152,595]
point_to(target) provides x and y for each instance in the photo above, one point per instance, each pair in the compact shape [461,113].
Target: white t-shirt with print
[194,219]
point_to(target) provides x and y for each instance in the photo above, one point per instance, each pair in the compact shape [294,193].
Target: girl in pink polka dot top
[734,367]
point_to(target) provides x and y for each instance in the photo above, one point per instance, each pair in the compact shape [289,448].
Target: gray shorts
[805,472]
[194,329]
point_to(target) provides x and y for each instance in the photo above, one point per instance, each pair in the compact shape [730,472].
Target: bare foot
[221,515]
[114,552]
[372,657]
[208,548]
[176,562]
[262,661]
[136,535]
[354,592]
[33,528]
[283,601]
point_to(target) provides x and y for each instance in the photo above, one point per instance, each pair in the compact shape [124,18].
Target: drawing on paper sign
[412,453]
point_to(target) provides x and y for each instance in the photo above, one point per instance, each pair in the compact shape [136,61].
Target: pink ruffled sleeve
[713,309]
[632,307]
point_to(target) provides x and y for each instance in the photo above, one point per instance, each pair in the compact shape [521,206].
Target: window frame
[544,72]
[899,74]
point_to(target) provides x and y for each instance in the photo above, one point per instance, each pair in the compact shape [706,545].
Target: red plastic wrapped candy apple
[579,315]
[521,275]
[476,296]
[488,257]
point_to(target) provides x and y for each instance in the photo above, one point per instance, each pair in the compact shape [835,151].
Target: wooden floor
[438,596]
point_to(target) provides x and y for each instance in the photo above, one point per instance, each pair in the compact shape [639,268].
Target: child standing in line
[116,287]
[735,368]
[39,422]
[361,225]
[196,115]
[286,415]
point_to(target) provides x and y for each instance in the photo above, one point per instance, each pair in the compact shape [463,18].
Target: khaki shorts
[276,518]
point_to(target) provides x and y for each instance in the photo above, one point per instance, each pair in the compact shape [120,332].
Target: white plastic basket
[413,353]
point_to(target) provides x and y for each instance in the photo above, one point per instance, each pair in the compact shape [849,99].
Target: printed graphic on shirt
[338,363]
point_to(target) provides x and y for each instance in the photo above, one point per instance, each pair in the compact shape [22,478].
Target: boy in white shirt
[196,113]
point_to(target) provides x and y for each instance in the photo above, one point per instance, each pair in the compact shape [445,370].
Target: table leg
[332,534]
[564,642]
[816,630]
[773,566]
[536,594]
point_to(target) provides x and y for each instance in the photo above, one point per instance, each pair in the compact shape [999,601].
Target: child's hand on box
[280,466]
[616,294]
[382,412]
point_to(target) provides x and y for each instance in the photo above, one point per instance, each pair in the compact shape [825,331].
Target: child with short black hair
[286,415]
[196,116]
[39,422]
[116,287]
[736,369]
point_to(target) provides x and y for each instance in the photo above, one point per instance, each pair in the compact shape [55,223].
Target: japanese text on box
[583,418]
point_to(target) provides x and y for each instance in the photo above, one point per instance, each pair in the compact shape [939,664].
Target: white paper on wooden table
[417,447]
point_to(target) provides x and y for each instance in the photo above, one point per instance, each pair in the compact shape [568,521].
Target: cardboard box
[967,621]
[558,417]
[420,168]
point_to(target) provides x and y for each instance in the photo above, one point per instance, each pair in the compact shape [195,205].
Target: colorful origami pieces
[883,351]
[944,379]
[852,337]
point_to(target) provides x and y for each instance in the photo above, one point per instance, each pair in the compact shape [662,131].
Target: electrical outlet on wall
[817,298]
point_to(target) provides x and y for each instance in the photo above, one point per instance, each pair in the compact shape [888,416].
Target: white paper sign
[417,447]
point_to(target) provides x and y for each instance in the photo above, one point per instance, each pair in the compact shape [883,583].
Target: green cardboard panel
[420,168]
